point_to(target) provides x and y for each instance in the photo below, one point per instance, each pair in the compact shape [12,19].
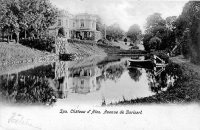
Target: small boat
[142,63]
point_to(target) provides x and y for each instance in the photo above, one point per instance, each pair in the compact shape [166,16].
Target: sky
[123,12]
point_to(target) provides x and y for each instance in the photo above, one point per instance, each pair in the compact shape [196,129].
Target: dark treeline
[175,35]
[26,18]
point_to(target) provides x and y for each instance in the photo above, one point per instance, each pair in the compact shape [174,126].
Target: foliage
[189,33]
[133,32]
[114,72]
[61,32]
[76,41]
[155,43]
[23,88]
[161,54]
[33,16]
[134,47]
[114,32]
[159,33]
[135,74]
[125,40]
[45,44]
[100,26]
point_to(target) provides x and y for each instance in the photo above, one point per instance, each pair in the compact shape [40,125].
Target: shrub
[81,41]
[134,47]
[161,54]
[61,32]
[45,44]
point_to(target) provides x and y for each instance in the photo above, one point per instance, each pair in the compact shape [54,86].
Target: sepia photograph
[99,64]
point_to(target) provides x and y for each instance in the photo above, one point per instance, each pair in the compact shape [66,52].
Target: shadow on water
[106,81]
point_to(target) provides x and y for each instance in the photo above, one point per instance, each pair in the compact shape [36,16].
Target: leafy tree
[155,43]
[135,74]
[153,21]
[8,19]
[190,18]
[114,32]
[171,22]
[159,28]
[133,32]
[100,26]
[33,16]
[61,32]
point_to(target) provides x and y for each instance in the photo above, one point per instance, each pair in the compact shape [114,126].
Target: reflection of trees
[41,71]
[114,72]
[134,73]
[28,87]
[159,82]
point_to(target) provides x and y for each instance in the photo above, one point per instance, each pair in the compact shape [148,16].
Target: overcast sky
[123,12]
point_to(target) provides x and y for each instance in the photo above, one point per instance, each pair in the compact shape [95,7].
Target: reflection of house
[81,26]
[83,80]
[77,80]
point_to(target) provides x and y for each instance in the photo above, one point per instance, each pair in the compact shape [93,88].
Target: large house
[80,26]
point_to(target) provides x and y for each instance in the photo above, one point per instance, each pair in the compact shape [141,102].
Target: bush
[134,47]
[103,41]
[45,44]
[161,54]
[61,32]
[81,41]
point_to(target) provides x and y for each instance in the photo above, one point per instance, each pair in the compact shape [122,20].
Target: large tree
[153,21]
[101,26]
[161,28]
[189,29]
[133,32]
[114,32]
[34,16]
[9,21]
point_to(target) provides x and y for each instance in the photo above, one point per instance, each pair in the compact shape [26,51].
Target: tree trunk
[8,39]
[195,47]
[2,36]
[17,38]
[11,37]
[25,34]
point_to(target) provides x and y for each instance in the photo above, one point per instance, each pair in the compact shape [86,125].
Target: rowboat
[142,63]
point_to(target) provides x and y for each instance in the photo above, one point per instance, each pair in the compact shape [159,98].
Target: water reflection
[29,86]
[88,81]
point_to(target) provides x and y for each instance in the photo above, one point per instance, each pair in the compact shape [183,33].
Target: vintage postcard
[99,64]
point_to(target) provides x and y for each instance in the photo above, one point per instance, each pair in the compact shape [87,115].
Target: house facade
[80,26]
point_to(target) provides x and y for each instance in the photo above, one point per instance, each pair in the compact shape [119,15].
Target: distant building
[80,26]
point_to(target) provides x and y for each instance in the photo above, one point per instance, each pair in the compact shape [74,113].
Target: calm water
[91,81]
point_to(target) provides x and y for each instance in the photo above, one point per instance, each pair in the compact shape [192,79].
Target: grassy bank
[16,56]
[85,50]
[185,90]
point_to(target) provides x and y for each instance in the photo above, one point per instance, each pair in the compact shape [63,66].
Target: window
[82,23]
[59,22]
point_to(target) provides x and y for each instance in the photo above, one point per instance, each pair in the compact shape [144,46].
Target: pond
[92,81]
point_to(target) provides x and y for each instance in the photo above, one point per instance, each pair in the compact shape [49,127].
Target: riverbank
[81,50]
[18,57]
[185,90]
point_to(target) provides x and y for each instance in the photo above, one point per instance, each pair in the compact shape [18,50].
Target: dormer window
[59,22]
[82,23]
